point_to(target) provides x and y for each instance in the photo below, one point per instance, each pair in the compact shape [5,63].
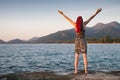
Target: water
[58,58]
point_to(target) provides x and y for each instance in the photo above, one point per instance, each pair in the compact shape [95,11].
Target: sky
[24,19]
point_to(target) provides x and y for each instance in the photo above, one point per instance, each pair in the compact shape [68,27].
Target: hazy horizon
[24,19]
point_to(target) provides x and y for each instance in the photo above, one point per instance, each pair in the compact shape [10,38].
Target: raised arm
[97,11]
[67,18]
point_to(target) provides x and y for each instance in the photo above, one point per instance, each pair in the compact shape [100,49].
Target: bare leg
[76,62]
[85,62]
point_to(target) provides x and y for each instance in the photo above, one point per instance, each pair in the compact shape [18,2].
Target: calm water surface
[56,57]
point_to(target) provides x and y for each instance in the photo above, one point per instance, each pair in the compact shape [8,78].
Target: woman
[80,42]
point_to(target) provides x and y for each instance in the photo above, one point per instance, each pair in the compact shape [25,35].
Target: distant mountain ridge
[111,29]
[34,38]
[56,37]
[16,41]
[2,42]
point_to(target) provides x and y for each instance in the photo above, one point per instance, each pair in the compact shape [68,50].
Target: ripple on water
[56,57]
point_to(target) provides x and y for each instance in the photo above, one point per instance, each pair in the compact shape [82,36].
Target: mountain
[32,39]
[2,42]
[56,37]
[111,29]
[98,33]
[16,41]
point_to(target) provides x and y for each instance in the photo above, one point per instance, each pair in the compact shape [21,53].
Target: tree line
[104,39]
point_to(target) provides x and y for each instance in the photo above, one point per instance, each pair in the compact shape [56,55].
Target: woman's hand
[60,12]
[99,10]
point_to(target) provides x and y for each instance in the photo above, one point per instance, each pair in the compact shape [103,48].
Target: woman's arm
[87,21]
[67,18]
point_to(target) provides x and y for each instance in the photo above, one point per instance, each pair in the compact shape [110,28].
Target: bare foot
[75,72]
[86,72]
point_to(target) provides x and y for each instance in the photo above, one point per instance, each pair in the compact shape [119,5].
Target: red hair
[79,24]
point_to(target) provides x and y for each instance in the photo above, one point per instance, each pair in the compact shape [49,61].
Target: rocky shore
[93,75]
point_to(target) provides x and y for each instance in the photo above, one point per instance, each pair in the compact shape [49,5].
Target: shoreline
[62,43]
[92,75]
